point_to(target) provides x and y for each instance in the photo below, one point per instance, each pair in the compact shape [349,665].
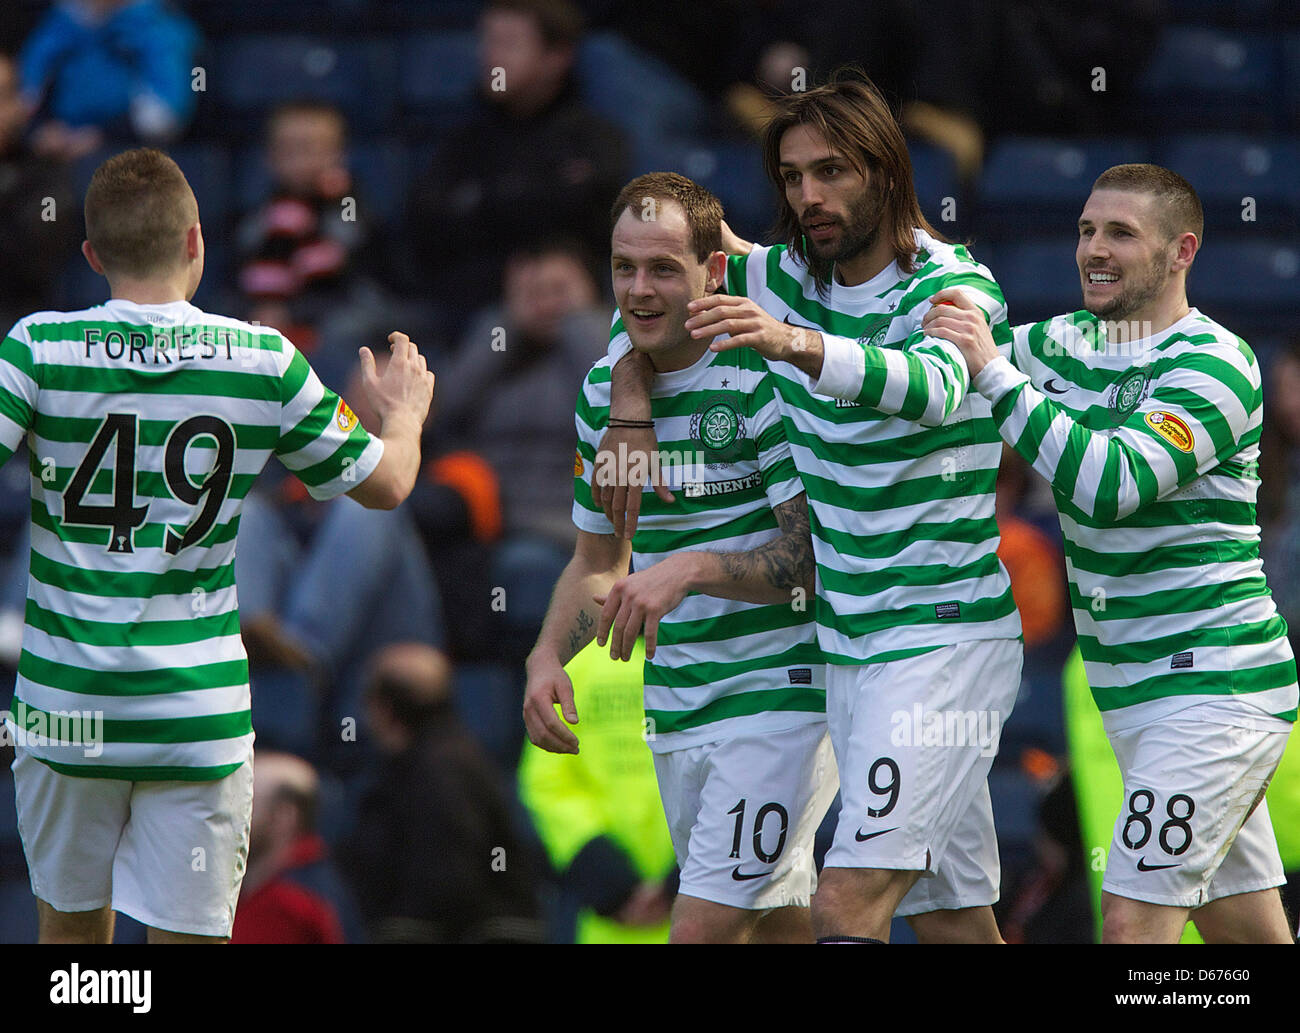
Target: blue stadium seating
[1247,284]
[1291,81]
[636,92]
[934,171]
[1038,278]
[1226,169]
[732,170]
[1204,78]
[251,74]
[439,75]
[1033,186]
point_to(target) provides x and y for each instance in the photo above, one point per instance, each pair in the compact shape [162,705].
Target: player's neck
[678,356]
[1149,320]
[866,265]
[148,292]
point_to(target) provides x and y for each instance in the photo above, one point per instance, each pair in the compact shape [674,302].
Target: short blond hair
[139,206]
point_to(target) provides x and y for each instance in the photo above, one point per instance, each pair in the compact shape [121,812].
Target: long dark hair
[856,120]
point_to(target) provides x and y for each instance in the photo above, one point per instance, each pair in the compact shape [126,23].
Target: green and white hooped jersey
[899,465]
[147,425]
[1151,448]
[721,667]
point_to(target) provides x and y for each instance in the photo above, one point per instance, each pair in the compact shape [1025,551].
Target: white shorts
[743,812]
[915,739]
[1194,826]
[169,854]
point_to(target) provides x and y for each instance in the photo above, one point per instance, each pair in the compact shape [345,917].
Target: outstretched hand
[405,389]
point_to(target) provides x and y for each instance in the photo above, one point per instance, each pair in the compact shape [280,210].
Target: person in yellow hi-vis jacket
[1099,789]
[598,812]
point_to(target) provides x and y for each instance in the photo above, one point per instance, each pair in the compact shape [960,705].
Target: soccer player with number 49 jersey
[1144,415]
[147,421]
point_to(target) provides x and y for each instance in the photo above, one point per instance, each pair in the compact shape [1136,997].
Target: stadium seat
[1032,187]
[1227,169]
[1248,284]
[934,170]
[251,74]
[439,74]
[732,170]
[1204,78]
[1038,278]
[637,92]
[1291,81]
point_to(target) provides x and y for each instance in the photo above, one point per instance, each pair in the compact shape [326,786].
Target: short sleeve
[591,416]
[776,466]
[18,390]
[321,439]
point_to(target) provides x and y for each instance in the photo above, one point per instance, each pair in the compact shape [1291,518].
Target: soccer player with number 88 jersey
[1144,415]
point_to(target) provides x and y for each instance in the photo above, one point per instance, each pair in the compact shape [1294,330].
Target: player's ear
[716,264]
[194,241]
[1186,245]
[91,258]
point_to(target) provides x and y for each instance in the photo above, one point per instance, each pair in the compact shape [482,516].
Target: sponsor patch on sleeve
[344,418]
[1172,428]
[577,463]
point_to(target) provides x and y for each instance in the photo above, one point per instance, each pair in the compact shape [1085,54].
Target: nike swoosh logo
[1047,386]
[802,326]
[740,876]
[872,835]
[1144,867]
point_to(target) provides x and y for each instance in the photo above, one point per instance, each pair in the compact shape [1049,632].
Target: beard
[1137,293]
[860,229]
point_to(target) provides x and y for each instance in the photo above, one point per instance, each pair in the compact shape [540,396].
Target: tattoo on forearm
[786,562]
[578,635]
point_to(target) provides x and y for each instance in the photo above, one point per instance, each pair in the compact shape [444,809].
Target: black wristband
[616,421]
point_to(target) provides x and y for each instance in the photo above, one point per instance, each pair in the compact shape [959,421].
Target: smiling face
[839,208]
[1126,256]
[655,274]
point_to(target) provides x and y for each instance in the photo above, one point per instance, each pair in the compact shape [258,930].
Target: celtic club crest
[719,429]
[1127,394]
[877,337]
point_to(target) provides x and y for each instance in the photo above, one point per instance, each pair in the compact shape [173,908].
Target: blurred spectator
[108,70]
[599,814]
[41,213]
[531,162]
[305,250]
[1032,559]
[1279,489]
[508,391]
[435,857]
[291,891]
[507,398]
